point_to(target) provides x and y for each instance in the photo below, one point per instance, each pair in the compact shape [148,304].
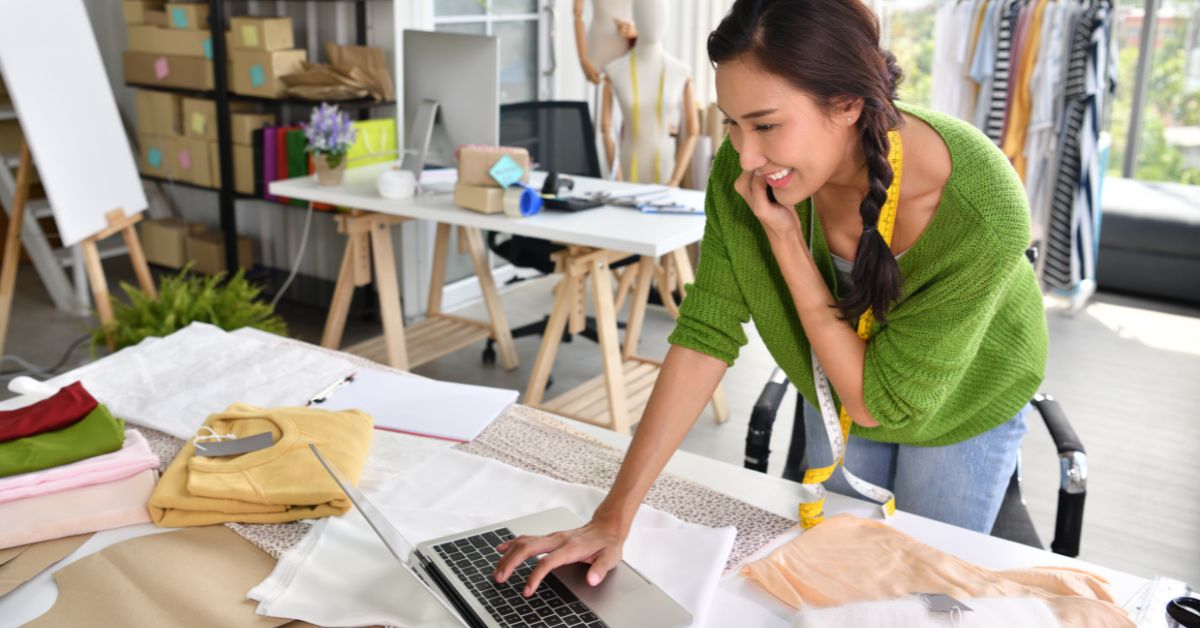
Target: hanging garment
[998,103]
[1022,98]
[65,407]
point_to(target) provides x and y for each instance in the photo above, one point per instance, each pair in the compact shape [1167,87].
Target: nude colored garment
[846,560]
[284,482]
[194,577]
[77,510]
[133,457]
[993,612]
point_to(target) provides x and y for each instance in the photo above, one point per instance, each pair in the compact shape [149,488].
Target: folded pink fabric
[77,510]
[135,456]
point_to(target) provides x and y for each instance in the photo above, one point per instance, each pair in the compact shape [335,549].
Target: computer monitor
[461,74]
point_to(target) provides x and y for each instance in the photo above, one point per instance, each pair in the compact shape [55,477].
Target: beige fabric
[846,559]
[193,577]
[19,565]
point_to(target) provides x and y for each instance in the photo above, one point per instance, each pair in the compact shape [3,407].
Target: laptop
[457,569]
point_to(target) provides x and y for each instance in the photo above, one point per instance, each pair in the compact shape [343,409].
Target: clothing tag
[250,36]
[179,17]
[257,75]
[942,603]
[162,68]
[506,171]
[235,447]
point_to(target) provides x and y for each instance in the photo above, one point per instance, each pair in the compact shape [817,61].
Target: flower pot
[328,176]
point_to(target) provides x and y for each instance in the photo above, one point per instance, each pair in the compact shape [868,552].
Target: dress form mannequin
[653,89]
[609,36]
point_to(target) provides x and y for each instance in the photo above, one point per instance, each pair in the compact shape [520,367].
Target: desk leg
[610,346]
[637,307]
[389,295]
[437,279]
[664,286]
[624,284]
[491,297]
[564,301]
[343,292]
[685,275]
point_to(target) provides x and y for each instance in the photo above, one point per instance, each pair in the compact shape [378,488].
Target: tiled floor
[1126,371]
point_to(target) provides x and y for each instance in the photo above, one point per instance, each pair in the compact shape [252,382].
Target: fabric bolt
[965,345]
[96,434]
[453,492]
[66,407]
[172,384]
[284,482]
[77,511]
[846,560]
[996,612]
[133,457]
[194,577]
[961,484]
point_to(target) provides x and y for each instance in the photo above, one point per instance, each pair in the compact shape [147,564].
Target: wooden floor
[1127,372]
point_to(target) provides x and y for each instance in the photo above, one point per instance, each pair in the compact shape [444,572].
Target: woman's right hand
[597,542]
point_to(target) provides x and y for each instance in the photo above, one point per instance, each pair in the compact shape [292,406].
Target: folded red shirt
[67,406]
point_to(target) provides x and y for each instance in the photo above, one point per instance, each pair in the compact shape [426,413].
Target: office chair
[1013,521]
[560,138]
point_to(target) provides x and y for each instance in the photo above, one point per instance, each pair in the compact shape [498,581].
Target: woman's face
[781,133]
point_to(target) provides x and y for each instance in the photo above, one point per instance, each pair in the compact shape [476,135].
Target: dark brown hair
[830,49]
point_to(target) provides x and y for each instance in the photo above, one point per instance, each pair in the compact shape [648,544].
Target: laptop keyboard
[473,560]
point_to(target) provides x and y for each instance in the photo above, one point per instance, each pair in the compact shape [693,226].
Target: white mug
[396,183]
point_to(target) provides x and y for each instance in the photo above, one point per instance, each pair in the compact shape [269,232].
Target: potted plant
[184,299]
[330,135]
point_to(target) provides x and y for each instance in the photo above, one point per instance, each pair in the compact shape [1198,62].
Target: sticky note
[257,76]
[179,17]
[506,171]
[185,159]
[162,68]
[199,123]
[249,36]
[208,54]
[154,157]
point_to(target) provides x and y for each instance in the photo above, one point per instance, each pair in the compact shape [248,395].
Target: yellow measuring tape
[837,422]
[658,115]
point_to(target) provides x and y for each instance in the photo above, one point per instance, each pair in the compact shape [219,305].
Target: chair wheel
[489,356]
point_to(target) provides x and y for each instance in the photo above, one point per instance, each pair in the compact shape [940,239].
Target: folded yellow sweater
[283,482]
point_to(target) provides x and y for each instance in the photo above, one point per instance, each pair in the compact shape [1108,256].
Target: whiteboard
[57,81]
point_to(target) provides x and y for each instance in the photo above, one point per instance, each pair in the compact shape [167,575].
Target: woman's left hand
[777,219]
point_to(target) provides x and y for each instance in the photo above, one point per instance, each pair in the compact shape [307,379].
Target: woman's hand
[596,542]
[777,219]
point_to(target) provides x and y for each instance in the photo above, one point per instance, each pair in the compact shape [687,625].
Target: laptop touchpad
[619,580]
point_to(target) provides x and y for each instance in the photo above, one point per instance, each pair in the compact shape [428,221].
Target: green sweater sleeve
[918,359]
[713,313]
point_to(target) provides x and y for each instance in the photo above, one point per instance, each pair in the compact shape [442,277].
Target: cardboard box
[257,72]
[166,41]
[158,113]
[208,252]
[190,161]
[243,167]
[165,240]
[245,124]
[143,68]
[481,198]
[187,16]
[475,162]
[261,33]
[135,11]
[200,117]
[154,156]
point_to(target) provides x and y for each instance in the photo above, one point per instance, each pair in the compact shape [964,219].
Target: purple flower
[330,133]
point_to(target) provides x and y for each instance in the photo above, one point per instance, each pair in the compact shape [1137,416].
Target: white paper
[416,405]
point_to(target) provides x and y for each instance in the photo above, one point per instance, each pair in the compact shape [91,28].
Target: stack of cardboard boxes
[260,52]
[170,45]
[173,243]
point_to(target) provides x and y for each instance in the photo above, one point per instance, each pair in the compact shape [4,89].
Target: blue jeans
[961,484]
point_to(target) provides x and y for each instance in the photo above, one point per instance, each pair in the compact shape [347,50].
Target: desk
[738,603]
[595,238]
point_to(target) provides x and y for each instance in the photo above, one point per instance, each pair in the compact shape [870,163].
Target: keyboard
[474,558]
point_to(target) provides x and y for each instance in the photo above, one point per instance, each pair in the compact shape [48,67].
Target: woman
[794,242]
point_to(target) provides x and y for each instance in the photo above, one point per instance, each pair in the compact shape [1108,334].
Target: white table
[739,603]
[594,238]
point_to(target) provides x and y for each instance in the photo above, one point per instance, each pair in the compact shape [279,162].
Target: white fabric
[913,613]
[319,582]
[172,384]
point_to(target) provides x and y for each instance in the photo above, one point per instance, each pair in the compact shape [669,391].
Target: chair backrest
[557,133]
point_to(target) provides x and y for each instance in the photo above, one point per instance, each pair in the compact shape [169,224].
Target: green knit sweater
[964,347]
